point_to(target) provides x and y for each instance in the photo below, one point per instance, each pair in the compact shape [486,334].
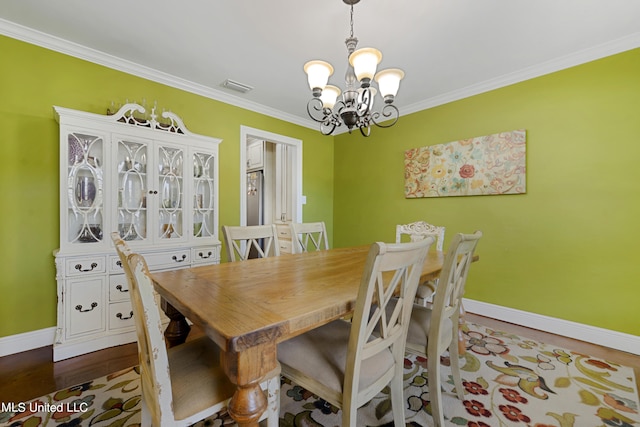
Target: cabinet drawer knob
[93,266]
[119,287]
[201,255]
[175,258]
[79,307]
[121,317]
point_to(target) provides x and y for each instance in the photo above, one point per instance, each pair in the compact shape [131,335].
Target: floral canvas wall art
[484,165]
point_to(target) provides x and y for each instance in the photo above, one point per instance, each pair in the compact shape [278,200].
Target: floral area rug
[509,381]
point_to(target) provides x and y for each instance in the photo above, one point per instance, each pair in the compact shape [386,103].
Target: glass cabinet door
[132,187]
[85,223]
[170,203]
[204,195]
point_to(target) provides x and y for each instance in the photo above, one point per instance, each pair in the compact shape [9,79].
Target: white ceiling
[449,49]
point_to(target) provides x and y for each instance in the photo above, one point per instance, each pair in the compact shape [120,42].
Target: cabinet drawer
[285,246]
[205,255]
[88,265]
[115,265]
[120,315]
[169,259]
[85,306]
[118,288]
[284,231]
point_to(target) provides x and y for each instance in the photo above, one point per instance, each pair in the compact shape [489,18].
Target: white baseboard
[604,337]
[26,341]
[72,348]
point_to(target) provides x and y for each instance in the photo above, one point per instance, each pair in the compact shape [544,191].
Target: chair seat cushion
[197,380]
[198,383]
[321,354]
[425,290]
[418,331]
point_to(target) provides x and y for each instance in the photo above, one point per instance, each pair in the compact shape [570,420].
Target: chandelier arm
[327,118]
[326,125]
[316,111]
[330,123]
[389,112]
[333,120]
[367,100]
[368,130]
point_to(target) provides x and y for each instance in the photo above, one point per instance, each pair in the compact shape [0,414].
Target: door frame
[247,133]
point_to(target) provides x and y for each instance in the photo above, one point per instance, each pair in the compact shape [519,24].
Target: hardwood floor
[31,374]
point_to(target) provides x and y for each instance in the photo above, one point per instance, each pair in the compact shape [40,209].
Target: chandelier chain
[351,35]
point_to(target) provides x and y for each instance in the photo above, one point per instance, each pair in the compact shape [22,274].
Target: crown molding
[66,47]
[76,50]
[623,44]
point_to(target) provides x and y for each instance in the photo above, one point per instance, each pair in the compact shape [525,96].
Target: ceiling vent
[237,86]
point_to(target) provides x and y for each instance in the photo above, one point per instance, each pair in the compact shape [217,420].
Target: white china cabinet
[152,181]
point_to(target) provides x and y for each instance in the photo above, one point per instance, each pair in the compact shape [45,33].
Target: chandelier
[354,108]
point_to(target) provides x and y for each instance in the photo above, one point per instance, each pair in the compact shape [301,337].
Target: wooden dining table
[248,307]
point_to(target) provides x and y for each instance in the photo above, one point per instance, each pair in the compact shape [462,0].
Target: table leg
[178,328]
[246,370]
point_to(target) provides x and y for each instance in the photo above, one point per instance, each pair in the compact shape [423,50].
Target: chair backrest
[309,237]
[240,240]
[152,350]
[391,276]
[419,230]
[450,290]
[123,252]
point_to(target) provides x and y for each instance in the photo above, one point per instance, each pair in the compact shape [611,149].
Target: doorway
[284,159]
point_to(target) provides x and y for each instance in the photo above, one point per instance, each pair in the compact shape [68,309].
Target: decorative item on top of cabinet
[150,179]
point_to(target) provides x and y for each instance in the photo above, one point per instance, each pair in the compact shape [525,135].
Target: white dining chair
[417,231]
[434,330]
[424,296]
[348,363]
[186,383]
[244,241]
[309,237]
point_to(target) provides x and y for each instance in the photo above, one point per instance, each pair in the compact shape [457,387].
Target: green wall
[567,248]
[32,80]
